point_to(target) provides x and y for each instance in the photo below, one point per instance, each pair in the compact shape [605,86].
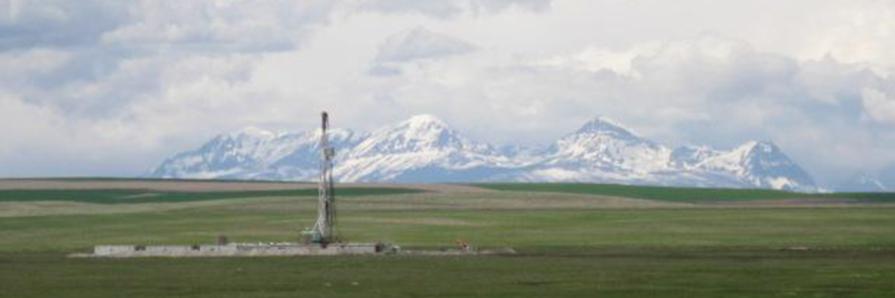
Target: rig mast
[322,232]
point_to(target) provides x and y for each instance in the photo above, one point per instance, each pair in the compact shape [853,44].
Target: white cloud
[860,32]
[40,141]
[878,105]
[25,64]
[595,59]
[136,81]
[450,8]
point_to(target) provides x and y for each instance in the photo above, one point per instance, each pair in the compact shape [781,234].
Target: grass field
[570,243]
[130,196]
[683,194]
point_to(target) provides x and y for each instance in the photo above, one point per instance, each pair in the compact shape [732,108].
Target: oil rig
[318,240]
[323,230]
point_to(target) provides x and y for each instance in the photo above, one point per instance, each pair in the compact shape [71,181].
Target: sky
[111,88]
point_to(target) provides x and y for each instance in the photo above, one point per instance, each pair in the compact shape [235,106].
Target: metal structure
[323,230]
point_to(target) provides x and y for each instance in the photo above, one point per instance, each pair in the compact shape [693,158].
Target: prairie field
[572,240]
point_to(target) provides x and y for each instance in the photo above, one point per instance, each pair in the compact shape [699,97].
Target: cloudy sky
[112,87]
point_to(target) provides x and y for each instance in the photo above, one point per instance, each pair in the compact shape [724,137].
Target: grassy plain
[569,244]
[684,194]
[131,196]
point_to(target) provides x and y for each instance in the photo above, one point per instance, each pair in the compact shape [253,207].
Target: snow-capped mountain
[253,153]
[425,149]
[602,151]
[421,149]
[759,164]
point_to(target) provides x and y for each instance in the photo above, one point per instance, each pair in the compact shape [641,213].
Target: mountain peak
[765,147]
[767,166]
[418,134]
[424,120]
[427,129]
[251,131]
[602,124]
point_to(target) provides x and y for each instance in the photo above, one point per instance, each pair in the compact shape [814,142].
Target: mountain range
[882,180]
[425,149]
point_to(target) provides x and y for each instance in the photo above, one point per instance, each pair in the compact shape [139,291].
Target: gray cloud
[415,45]
[221,26]
[60,23]
[117,53]
[195,25]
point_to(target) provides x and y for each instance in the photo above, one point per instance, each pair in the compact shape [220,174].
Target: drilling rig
[323,230]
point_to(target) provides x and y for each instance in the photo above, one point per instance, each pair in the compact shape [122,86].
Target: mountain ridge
[424,148]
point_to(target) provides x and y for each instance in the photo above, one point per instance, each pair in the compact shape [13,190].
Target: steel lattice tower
[322,232]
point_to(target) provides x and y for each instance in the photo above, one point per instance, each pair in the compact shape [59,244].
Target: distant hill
[425,149]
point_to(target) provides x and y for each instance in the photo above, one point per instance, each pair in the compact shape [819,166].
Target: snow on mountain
[603,144]
[604,151]
[420,149]
[254,153]
[425,149]
[758,164]
[600,151]
[522,154]
[688,157]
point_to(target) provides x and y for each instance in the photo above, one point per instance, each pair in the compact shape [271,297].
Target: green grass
[708,251]
[872,197]
[765,228]
[587,274]
[563,253]
[123,196]
[682,194]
